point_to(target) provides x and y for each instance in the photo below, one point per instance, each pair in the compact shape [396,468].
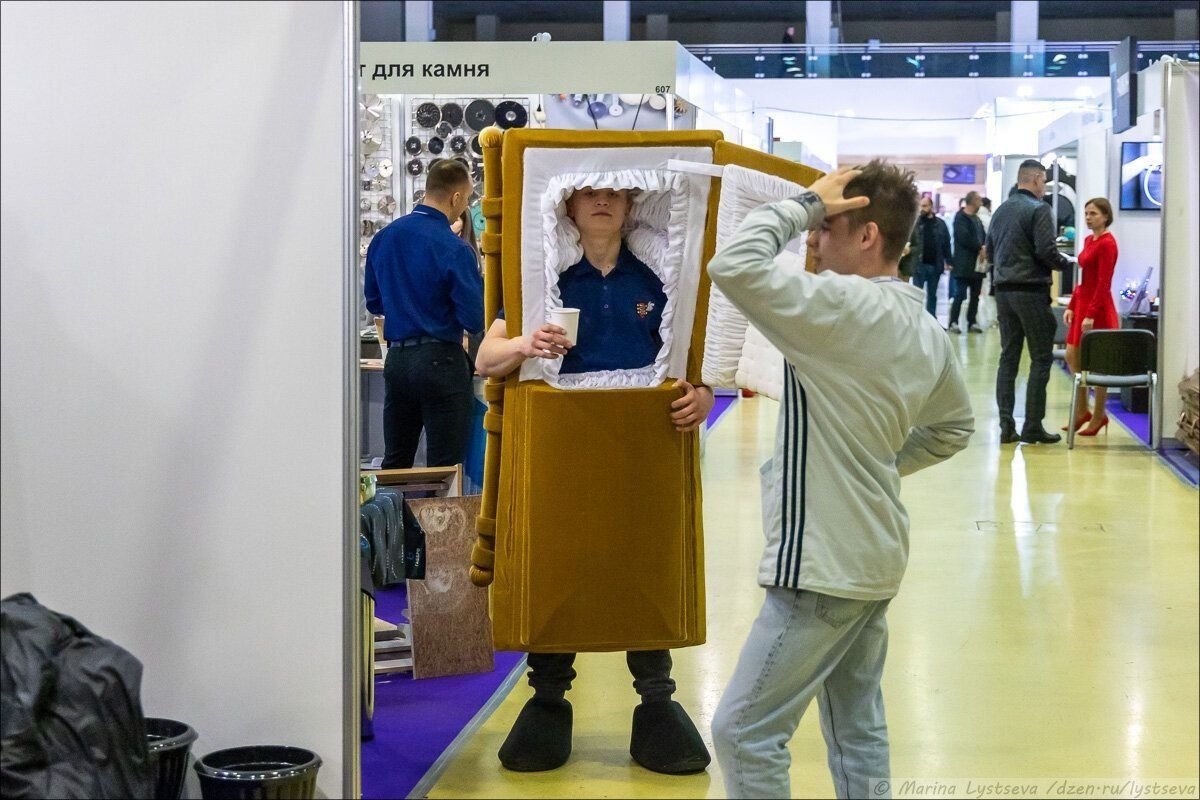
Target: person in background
[1092,306]
[987,299]
[968,243]
[910,257]
[464,228]
[787,62]
[985,212]
[1021,245]
[932,247]
[948,218]
[425,282]
[872,393]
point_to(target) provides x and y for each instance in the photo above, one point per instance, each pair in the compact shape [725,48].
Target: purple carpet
[1137,424]
[415,721]
[1181,461]
[721,404]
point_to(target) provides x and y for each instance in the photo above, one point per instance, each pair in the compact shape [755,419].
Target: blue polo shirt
[619,314]
[423,279]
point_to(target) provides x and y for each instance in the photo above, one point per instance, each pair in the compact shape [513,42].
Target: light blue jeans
[805,645]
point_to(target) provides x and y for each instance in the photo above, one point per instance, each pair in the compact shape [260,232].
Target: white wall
[172,343]
[1091,176]
[1179,325]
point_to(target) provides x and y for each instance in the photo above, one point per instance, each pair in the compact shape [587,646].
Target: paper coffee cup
[568,320]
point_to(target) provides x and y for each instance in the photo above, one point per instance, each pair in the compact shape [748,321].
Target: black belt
[416,340]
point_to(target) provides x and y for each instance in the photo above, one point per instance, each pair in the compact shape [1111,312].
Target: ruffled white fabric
[735,354]
[665,230]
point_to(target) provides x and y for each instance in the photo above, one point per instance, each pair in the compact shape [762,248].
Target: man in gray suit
[1020,242]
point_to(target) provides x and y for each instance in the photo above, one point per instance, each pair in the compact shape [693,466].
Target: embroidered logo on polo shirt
[644,308]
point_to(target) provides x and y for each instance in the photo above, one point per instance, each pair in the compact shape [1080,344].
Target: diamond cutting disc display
[428,115]
[511,114]
[480,114]
[414,167]
[444,129]
[476,147]
[452,113]
[435,145]
[413,146]
[458,144]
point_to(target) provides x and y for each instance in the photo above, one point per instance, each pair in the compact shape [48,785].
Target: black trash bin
[169,743]
[260,772]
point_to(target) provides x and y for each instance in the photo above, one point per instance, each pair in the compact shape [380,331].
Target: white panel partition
[1179,325]
[175,359]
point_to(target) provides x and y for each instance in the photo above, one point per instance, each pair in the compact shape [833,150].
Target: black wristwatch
[815,207]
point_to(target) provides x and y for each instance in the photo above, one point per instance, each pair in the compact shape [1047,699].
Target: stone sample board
[451,630]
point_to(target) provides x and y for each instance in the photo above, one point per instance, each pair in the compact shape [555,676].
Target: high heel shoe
[1103,426]
[1079,423]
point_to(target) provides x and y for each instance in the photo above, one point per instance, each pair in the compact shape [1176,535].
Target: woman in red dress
[1092,305]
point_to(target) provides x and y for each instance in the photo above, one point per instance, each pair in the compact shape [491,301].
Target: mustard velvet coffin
[591,525]
[599,543]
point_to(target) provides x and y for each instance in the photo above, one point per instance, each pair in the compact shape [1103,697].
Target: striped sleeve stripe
[791,517]
[802,494]
[783,511]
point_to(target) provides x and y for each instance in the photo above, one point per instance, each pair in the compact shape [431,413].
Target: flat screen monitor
[1141,176]
[958,173]
[1122,68]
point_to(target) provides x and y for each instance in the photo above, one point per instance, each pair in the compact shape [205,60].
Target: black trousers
[428,386]
[970,284]
[1025,318]
[550,674]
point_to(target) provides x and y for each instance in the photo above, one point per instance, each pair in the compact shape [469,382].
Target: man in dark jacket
[931,246]
[968,242]
[1020,243]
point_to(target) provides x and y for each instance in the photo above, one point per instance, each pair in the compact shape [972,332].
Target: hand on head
[830,189]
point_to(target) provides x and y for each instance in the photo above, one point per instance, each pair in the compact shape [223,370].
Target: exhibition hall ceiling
[765,11]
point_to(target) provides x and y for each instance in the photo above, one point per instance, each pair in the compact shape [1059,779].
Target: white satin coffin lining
[728,333]
[665,230]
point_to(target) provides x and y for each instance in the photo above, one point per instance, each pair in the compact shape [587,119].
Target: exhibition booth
[422,102]
[1148,170]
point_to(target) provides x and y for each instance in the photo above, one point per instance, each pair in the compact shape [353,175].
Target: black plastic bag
[71,722]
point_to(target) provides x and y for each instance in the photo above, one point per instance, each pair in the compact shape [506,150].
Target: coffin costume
[591,529]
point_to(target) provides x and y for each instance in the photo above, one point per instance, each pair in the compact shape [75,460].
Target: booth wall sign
[479,68]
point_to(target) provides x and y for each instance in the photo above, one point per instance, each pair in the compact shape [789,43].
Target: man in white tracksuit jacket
[872,392]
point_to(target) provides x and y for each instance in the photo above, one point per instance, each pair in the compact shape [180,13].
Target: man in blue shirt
[620,302]
[425,282]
